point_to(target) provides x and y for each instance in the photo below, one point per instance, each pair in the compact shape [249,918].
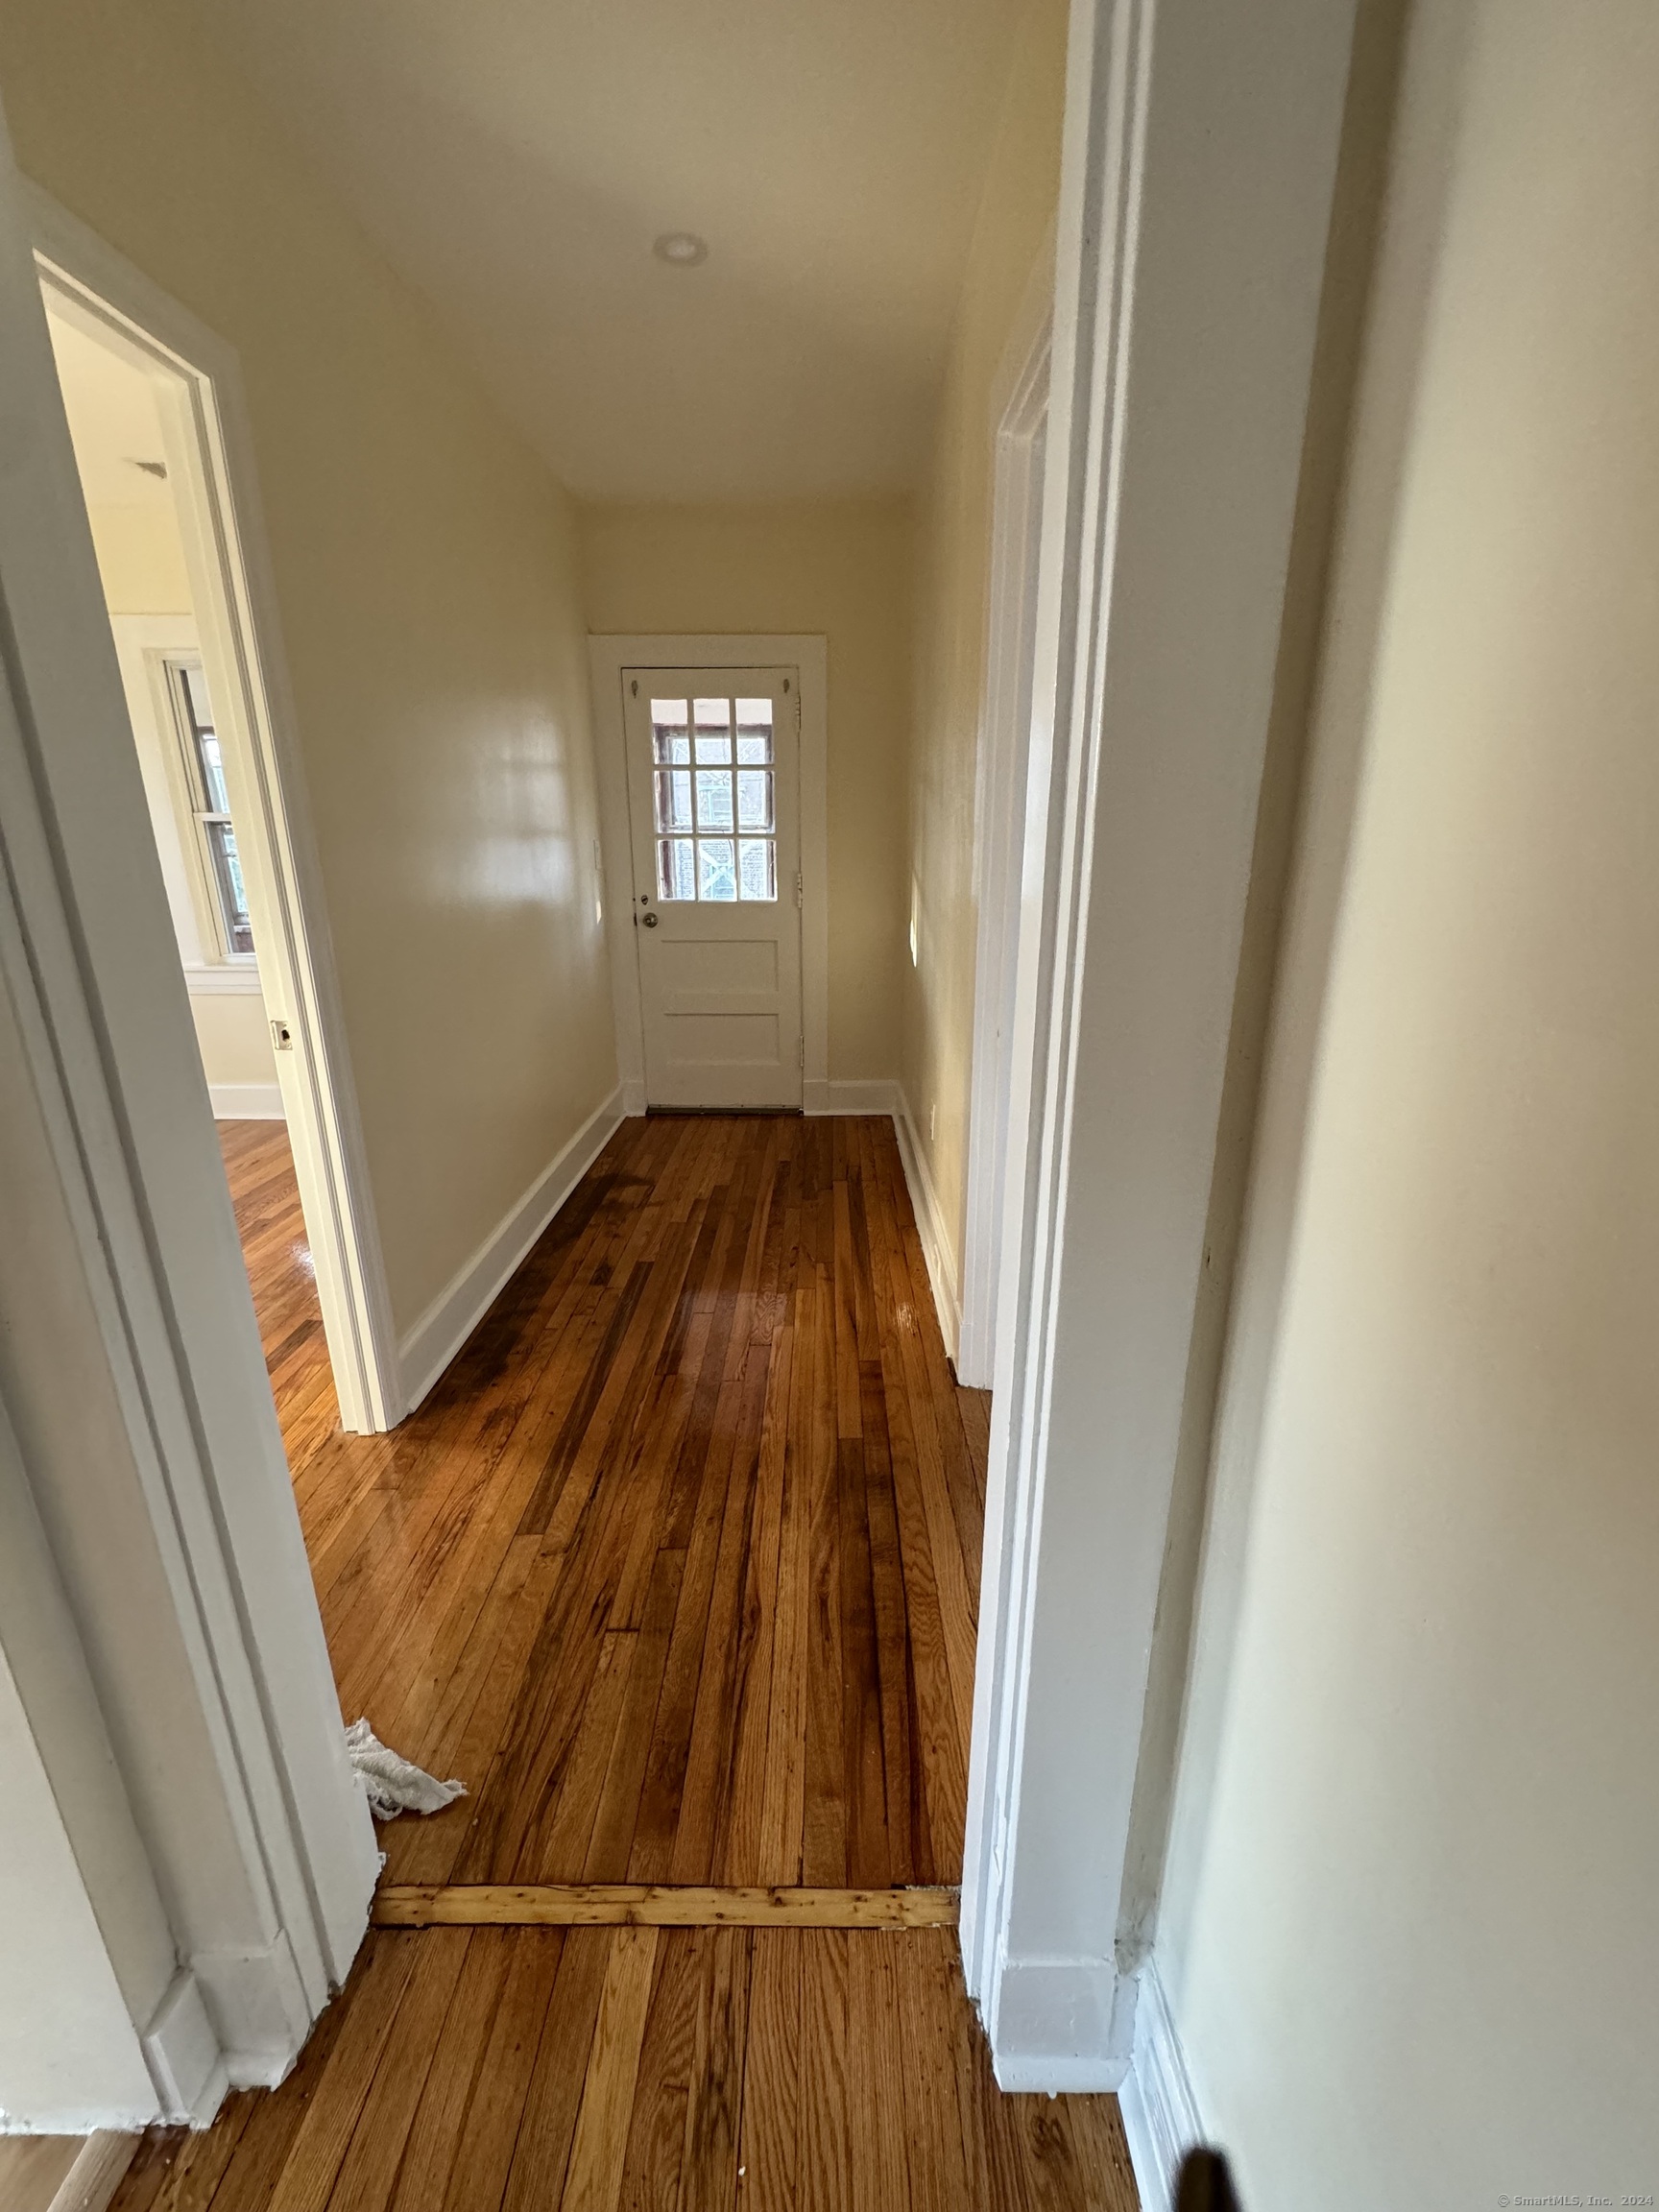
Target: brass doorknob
[649,920]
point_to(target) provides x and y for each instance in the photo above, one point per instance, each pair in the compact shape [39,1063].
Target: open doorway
[224,816]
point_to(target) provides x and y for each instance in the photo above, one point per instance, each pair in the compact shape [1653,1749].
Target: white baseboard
[181,2049]
[868,1094]
[1062,2027]
[100,2165]
[1160,2110]
[256,2003]
[426,1349]
[246,1102]
[930,1223]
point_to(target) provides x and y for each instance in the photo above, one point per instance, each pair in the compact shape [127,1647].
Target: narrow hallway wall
[424,562]
[1011,240]
[1409,1930]
[842,568]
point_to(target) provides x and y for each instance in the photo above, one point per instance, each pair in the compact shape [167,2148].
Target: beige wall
[841,568]
[1410,1925]
[140,560]
[426,569]
[1010,237]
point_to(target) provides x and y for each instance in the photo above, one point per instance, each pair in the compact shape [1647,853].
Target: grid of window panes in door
[210,804]
[714,799]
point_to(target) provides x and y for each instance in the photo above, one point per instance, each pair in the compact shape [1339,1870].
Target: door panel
[713,806]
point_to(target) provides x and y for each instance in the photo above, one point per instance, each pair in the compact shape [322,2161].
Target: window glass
[676,869]
[715,775]
[670,731]
[757,867]
[716,869]
[204,763]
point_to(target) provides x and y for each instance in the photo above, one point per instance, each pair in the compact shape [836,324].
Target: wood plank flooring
[676,1570]
[534,2069]
[650,1904]
[677,1567]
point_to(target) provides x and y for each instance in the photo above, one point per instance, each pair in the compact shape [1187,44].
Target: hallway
[676,1569]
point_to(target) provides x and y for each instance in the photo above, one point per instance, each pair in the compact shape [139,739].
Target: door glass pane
[676,872]
[713,798]
[713,776]
[753,731]
[670,729]
[754,798]
[716,870]
[757,867]
[673,799]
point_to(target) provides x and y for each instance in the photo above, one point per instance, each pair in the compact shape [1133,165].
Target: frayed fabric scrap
[393,1784]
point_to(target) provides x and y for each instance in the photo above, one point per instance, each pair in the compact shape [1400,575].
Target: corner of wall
[943,1273]
[1159,2107]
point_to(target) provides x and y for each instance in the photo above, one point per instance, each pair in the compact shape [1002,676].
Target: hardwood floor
[676,1570]
[531,2070]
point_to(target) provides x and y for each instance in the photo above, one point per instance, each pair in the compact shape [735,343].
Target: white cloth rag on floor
[393,1784]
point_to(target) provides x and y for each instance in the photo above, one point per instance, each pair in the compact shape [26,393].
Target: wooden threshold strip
[653,1905]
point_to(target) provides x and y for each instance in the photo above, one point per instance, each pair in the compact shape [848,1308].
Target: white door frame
[999,818]
[209,455]
[1197,172]
[150,1412]
[609,656]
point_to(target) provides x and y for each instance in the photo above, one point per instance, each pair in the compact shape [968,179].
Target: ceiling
[113,421]
[515,160]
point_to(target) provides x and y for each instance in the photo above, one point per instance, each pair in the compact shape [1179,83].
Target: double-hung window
[210,807]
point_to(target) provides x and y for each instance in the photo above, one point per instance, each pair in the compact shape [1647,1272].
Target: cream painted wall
[953,567]
[842,568]
[140,560]
[1411,1928]
[424,562]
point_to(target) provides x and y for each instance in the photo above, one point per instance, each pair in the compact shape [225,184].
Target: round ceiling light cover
[681,248]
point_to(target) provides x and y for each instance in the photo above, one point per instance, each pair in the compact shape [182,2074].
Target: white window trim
[608,656]
[223,979]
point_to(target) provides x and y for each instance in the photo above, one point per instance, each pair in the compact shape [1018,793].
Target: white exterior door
[714,818]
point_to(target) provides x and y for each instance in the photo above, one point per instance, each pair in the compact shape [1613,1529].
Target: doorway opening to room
[149,440]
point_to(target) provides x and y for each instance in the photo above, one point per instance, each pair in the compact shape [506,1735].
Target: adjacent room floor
[676,1570]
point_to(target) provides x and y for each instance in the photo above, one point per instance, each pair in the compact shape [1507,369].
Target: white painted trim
[99,2168]
[609,656]
[428,1348]
[210,455]
[234,1768]
[1160,2110]
[999,818]
[867,1094]
[245,1102]
[1197,170]
[930,1225]
[181,2048]
[232,980]
[1061,2027]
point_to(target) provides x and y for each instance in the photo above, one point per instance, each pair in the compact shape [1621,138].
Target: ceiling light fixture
[681,248]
